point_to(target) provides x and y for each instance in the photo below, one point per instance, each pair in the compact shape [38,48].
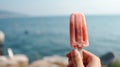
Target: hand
[88,59]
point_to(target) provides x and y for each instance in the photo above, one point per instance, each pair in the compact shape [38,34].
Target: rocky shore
[109,59]
[50,61]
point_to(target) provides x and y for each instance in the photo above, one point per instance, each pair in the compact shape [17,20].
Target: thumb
[77,59]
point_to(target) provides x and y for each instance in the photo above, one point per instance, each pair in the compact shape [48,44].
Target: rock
[108,58]
[42,63]
[56,58]
[2,38]
[50,61]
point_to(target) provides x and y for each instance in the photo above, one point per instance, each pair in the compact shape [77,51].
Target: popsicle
[78,31]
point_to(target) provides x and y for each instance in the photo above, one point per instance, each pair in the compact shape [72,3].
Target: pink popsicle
[78,31]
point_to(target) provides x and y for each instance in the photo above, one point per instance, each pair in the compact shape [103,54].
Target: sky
[61,7]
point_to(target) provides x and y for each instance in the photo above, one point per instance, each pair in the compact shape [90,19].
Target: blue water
[45,36]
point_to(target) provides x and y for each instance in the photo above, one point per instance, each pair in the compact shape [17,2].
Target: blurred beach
[38,37]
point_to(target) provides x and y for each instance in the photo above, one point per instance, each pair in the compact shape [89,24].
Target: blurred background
[39,28]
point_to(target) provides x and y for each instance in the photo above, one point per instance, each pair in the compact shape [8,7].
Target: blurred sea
[45,36]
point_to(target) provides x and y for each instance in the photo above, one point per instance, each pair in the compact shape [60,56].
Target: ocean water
[45,36]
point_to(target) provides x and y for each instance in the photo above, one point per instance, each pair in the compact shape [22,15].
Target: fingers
[70,59]
[75,59]
[91,59]
[78,59]
[88,54]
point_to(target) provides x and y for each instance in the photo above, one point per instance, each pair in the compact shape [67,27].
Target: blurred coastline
[46,36]
[38,31]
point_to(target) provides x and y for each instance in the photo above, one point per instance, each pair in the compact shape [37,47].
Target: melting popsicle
[78,31]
